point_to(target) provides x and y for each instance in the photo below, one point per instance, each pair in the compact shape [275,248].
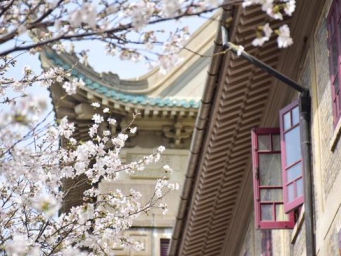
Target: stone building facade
[220,214]
[326,152]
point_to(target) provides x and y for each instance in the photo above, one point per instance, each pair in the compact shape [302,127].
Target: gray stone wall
[249,247]
[331,161]
[331,241]
[252,242]
[326,161]
[297,247]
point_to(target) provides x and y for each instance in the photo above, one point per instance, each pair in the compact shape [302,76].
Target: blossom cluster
[121,25]
[51,22]
[32,175]
[71,87]
[110,18]
[275,10]
[28,77]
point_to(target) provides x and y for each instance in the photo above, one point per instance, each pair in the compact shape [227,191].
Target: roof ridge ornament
[111,78]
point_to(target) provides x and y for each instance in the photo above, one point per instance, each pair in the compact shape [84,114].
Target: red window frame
[297,178]
[256,152]
[334,39]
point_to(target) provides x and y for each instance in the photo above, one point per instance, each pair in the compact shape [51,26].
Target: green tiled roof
[110,93]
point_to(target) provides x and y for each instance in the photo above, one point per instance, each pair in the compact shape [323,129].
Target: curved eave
[150,107]
[95,90]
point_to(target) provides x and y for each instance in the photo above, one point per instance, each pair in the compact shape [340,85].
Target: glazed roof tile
[111,93]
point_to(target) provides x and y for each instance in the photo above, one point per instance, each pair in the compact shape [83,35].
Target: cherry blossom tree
[33,166]
[31,177]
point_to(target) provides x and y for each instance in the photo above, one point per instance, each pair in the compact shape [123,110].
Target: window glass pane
[271,195]
[276,143]
[335,56]
[291,192]
[264,142]
[299,187]
[266,212]
[280,215]
[294,172]
[292,146]
[295,116]
[287,121]
[270,169]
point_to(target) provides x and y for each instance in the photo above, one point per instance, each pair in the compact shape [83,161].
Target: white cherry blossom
[87,14]
[97,118]
[267,30]
[111,121]
[260,40]
[284,40]
[46,204]
[66,129]
[133,130]
[170,7]
[71,87]
[95,104]
[18,246]
[167,168]
[290,7]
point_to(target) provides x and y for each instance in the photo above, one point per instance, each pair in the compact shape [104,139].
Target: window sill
[336,136]
[298,226]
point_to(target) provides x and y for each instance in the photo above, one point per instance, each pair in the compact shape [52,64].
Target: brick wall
[326,162]
[331,162]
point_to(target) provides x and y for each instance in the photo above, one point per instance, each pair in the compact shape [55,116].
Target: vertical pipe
[305,109]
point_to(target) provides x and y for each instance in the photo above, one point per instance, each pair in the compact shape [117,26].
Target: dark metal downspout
[305,114]
[305,109]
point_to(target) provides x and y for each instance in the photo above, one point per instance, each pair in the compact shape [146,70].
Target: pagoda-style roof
[111,87]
